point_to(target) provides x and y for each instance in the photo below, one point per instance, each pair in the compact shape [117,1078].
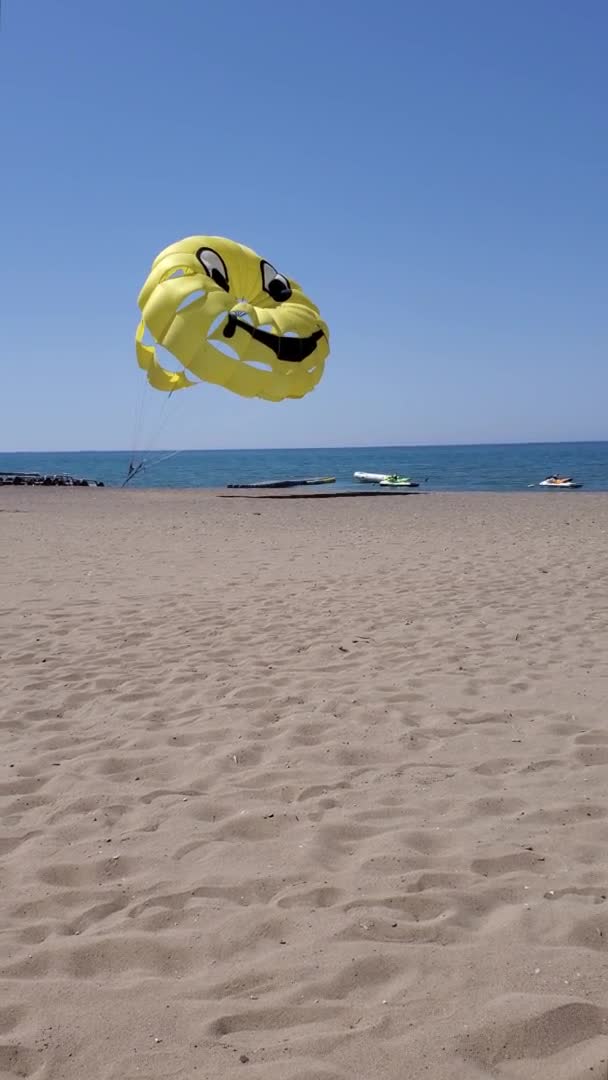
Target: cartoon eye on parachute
[229,318]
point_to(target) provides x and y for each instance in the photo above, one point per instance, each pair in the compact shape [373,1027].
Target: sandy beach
[303,789]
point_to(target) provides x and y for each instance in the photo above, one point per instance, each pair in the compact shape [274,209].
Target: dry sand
[304,790]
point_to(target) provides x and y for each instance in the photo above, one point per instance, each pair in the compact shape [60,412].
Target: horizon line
[354,446]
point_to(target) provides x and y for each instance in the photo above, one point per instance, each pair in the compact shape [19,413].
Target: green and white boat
[393,480]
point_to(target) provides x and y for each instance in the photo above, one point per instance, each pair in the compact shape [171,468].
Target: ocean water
[511,467]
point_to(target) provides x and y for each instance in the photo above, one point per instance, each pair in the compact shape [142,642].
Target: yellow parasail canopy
[230,318]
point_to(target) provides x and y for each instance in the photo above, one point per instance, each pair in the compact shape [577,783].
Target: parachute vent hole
[148,338]
[259,364]
[224,348]
[168,360]
[180,271]
[192,298]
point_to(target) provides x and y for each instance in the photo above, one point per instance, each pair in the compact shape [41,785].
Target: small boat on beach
[398,481]
[370,477]
[307,482]
[559,482]
[385,479]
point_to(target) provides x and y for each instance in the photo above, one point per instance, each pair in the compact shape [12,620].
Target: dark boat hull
[288,483]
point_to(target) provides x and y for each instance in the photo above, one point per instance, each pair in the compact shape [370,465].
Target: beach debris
[243,1059]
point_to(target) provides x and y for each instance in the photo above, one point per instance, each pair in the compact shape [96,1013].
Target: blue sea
[511,467]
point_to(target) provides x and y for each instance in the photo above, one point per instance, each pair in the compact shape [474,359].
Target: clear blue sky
[435,174]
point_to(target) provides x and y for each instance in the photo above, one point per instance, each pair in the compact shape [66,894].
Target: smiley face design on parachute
[229,317]
[291,350]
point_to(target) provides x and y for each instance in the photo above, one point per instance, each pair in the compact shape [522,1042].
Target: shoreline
[108,490]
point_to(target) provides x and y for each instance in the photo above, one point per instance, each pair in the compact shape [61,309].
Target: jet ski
[398,481]
[559,482]
[384,479]
[370,477]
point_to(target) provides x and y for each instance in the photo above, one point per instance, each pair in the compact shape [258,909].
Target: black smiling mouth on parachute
[291,350]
